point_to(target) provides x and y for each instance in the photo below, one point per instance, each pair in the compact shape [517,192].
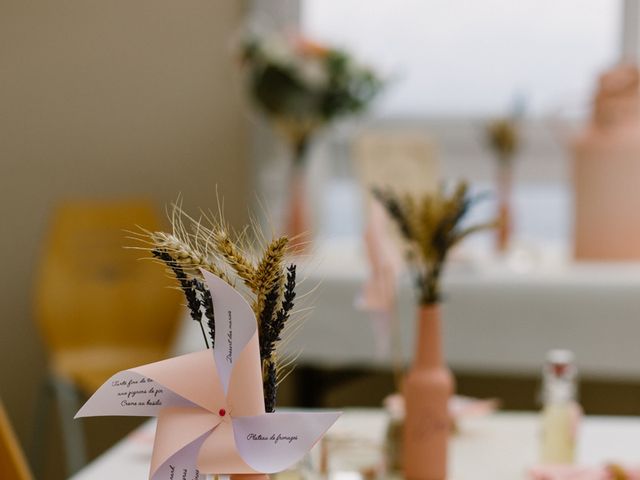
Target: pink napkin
[379,292]
[459,406]
[378,296]
[573,472]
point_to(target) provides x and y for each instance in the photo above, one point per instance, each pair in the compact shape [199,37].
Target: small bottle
[561,412]
[394,404]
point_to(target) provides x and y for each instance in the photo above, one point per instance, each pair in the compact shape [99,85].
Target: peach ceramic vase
[503,230]
[297,221]
[606,172]
[297,224]
[249,476]
[427,388]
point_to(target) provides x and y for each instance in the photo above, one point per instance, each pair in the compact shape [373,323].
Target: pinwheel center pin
[222,412]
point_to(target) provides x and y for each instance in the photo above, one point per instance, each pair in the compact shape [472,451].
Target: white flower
[313,72]
[278,51]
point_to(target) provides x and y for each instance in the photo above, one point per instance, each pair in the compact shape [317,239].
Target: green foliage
[316,86]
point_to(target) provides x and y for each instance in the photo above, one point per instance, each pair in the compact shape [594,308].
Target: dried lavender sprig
[287,301]
[265,324]
[272,329]
[207,302]
[271,326]
[187,286]
[270,386]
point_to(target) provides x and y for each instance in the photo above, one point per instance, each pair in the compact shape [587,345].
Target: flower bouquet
[503,137]
[302,87]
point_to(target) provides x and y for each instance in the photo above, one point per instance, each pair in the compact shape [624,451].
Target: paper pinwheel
[210,404]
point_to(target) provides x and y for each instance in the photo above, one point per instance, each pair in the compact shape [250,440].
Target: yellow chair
[100,307]
[12,462]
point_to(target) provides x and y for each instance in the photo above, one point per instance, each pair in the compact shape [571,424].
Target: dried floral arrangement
[265,278]
[430,225]
[503,137]
[301,85]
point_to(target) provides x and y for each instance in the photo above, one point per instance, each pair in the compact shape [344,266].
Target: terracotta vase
[297,215]
[606,188]
[505,221]
[427,388]
[296,223]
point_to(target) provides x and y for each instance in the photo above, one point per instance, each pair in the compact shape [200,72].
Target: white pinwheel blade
[129,393]
[187,380]
[219,454]
[179,437]
[182,464]
[273,442]
[246,396]
[235,324]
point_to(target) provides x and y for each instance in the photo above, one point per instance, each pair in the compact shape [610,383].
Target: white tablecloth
[499,447]
[498,316]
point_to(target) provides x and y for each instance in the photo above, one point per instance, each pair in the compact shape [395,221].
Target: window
[453,64]
[473,58]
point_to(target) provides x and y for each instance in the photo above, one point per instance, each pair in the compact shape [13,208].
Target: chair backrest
[405,162]
[402,160]
[92,291]
[12,462]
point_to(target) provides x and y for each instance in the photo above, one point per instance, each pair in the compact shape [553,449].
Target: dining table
[497,446]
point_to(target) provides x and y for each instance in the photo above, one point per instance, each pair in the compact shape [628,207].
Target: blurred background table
[500,316]
[497,447]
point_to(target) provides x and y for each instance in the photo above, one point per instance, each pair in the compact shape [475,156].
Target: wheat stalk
[185,255]
[269,272]
[235,258]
